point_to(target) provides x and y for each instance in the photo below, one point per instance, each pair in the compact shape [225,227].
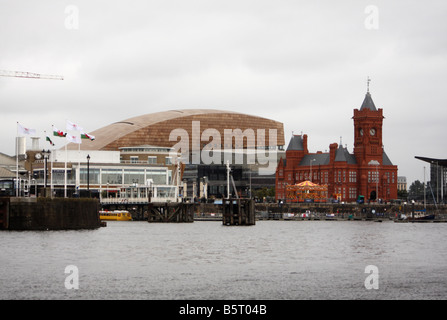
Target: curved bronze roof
[155,128]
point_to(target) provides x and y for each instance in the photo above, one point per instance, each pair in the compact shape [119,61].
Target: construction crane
[31,75]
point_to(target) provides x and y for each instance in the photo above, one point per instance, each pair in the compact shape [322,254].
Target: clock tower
[368,132]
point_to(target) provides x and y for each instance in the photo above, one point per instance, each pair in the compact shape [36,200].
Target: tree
[402,194]
[416,190]
[264,193]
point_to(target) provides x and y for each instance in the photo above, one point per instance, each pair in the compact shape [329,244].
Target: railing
[136,200]
[156,164]
[40,181]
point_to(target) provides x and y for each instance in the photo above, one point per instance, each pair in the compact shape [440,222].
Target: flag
[24,130]
[49,140]
[58,133]
[87,136]
[74,139]
[72,126]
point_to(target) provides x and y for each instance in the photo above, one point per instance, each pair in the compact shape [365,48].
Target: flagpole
[52,155]
[51,163]
[65,175]
[51,178]
[17,160]
[78,174]
[66,158]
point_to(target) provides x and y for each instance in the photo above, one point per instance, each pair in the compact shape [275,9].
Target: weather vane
[368,80]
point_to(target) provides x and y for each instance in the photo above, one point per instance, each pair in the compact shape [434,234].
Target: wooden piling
[4,213]
[171,212]
[238,212]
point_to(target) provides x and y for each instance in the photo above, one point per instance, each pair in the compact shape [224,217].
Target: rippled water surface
[206,260]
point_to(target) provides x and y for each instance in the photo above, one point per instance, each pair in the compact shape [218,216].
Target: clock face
[38,156]
[372,131]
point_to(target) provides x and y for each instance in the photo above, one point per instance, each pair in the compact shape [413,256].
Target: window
[151,160]
[133,176]
[352,193]
[373,176]
[133,159]
[168,160]
[352,176]
[112,176]
[93,176]
[157,176]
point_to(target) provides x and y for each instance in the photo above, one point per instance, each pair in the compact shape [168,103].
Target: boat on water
[422,216]
[116,215]
[418,216]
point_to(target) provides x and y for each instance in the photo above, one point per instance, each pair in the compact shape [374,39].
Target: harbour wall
[49,214]
[388,210]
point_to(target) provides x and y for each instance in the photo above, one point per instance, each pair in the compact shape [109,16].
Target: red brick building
[367,171]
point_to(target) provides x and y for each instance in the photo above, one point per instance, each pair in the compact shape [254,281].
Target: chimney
[305,144]
[35,144]
[20,145]
[332,150]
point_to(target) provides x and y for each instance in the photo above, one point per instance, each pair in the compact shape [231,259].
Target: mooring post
[238,212]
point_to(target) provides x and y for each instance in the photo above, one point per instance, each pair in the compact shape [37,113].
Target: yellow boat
[116,215]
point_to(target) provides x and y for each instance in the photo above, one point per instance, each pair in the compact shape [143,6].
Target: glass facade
[110,176]
[104,176]
[157,176]
[132,176]
[94,176]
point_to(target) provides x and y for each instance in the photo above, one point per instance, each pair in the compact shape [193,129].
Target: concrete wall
[53,214]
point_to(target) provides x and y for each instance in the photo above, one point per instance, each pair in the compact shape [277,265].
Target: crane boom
[22,74]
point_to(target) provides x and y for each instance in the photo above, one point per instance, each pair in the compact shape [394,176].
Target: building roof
[441,162]
[385,160]
[343,155]
[320,159]
[296,143]
[5,173]
[368,103]
[156,128]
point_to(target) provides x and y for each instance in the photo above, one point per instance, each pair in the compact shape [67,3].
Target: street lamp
[376,163]
[88,174]
[46,155]
[312,160]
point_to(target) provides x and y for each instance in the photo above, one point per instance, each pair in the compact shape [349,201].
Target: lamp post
[312,160]
[88,175]
[376,163]
[46,155]
[437,181]
[425,198]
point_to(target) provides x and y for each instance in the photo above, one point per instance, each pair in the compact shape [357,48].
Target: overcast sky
[303,63]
